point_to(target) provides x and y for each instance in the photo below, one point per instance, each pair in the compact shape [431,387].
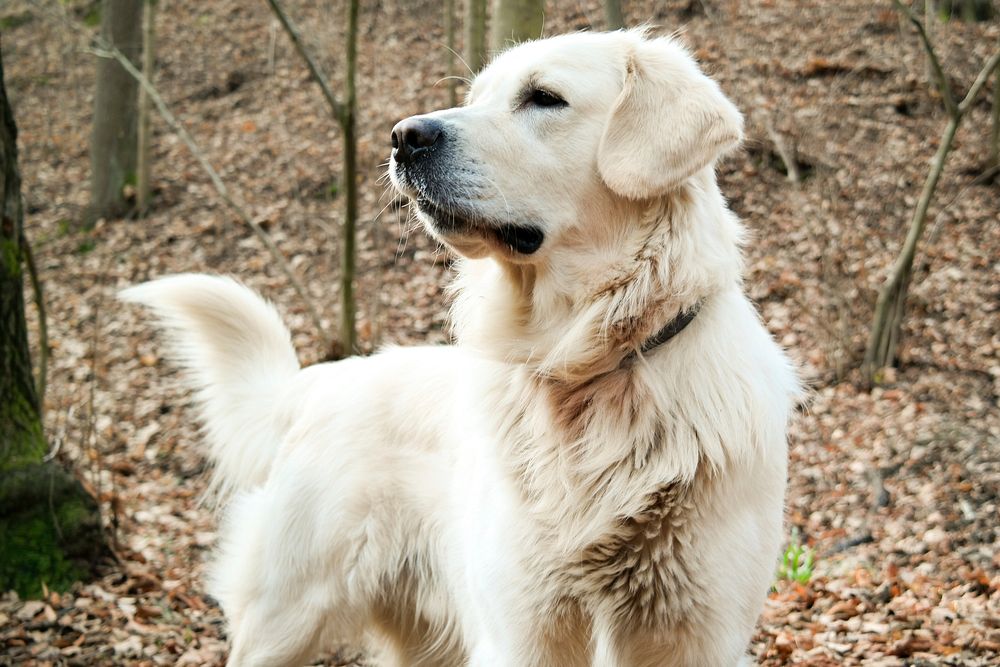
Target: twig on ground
[786,153]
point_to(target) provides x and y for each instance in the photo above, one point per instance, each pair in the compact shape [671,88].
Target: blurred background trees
[614,20]
[113,144]
[516,21]
[120,145]
[966,10]
[475,34]
[121,141]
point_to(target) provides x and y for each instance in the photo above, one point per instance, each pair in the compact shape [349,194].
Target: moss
[49,531]
[30,555]
[10,256]
[22,441]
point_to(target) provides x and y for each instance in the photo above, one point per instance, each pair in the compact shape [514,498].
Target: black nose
[414,136]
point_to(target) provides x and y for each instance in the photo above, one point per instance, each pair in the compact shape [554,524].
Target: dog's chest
[641,571]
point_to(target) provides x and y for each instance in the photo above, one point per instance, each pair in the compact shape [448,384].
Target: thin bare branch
[613,17]
[475,35]
[940,78]
[348,333]
[344,113]
[884,336]
[43,329]
[335,106]
[992,64]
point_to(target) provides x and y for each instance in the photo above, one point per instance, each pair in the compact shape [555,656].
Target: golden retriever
[593,474]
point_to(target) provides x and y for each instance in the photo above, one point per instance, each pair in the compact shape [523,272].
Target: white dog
[594,473]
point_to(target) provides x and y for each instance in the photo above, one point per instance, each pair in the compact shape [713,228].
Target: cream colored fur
[531,496]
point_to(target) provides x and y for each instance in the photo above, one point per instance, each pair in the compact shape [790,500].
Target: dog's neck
[593,302]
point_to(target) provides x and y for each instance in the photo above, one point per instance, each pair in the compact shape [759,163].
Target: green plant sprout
[797,561]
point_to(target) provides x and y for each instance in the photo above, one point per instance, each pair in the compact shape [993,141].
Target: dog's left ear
[669,121]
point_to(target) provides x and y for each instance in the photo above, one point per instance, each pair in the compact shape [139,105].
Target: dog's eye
[543,98]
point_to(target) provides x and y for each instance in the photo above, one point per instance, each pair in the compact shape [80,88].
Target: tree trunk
[516,21]
[347,242]
[475,34]
[21,437]
[50,529]
[613,17]
[113,140]
[143,186]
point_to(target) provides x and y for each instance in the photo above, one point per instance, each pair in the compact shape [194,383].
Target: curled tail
[238,355]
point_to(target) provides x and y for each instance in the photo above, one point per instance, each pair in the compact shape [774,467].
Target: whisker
[404,227]
[459,56]
[506,204]
[456,77]
[387,205]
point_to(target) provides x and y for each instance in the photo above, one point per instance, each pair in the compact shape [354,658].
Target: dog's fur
[541,493]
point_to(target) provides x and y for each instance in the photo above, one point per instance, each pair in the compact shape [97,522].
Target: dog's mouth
[524,239]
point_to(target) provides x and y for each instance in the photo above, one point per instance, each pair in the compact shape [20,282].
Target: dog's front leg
[274,601]
[507,611]
[270,635]
[514,644]
[272,574]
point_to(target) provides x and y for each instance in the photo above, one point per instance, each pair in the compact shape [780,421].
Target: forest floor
[895,490]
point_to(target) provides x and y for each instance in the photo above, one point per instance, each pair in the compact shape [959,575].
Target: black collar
[671,329]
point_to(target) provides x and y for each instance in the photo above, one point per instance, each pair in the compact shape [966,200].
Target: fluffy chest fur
[641,572]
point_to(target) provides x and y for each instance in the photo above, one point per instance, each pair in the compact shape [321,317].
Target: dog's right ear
[669,121]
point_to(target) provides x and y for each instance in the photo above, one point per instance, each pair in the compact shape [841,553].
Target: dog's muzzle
[414,141]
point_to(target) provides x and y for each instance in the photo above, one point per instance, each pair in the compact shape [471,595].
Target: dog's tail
[237,354]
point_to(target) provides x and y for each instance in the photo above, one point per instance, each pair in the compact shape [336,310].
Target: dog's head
[559,134]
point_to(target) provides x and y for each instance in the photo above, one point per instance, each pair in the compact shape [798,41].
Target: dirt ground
[896,490]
